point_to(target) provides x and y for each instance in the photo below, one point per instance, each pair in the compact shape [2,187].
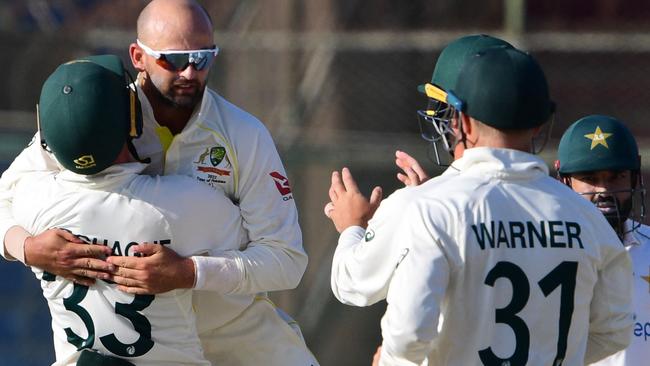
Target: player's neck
[481,135]
[173,118]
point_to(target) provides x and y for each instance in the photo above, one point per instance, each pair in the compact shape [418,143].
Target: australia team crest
[217,153]
[213,165]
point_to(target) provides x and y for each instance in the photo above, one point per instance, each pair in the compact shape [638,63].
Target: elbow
[407,339]
[604,345]
[408,350]
[348,295]
[622,340]
[351,298]
[295,270]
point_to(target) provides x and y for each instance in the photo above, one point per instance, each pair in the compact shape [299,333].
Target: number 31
[564,275]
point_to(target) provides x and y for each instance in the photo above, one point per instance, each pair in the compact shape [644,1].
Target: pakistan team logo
[217,154]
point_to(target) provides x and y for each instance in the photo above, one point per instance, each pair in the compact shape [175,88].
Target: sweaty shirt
[492,263]
[120,208]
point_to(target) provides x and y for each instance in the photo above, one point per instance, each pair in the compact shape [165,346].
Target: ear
[137,57]
[566,179]
[466,124]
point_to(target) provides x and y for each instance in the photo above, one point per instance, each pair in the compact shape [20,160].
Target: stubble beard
[173,100]
[623,209]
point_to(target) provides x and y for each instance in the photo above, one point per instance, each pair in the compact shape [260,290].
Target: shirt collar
[500,162]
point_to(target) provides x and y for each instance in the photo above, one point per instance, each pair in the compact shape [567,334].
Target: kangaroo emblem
[201,158]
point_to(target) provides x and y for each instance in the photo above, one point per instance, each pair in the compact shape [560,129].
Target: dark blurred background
[335,83]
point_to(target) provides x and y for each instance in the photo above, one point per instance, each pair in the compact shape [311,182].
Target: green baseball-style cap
[597,142]
[87,113]
[504,88]
[453,57]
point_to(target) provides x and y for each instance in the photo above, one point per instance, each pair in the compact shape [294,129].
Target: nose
[189,73]
[601,191]
[599,188]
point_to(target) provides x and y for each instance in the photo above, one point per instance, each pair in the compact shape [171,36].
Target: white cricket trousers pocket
[260,335]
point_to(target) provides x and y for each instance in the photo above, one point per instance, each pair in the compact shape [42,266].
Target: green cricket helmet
[504,88]
[87,112]
[434,120]
[597,142]
[601,143]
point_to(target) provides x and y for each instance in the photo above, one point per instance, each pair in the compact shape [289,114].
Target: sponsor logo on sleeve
[282,184]
[370,234]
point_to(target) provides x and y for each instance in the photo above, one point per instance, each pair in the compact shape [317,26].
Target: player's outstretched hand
[59,252]
[157,270]
[348,207]
[413,174]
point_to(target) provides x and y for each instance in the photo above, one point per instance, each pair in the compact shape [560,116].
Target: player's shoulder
[222,113]
[447,187]
[35,187]
[36,178]
[564,193]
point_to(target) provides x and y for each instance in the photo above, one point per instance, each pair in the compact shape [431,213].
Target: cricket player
[86,115]
[598,157]
[497,263]
[189,129]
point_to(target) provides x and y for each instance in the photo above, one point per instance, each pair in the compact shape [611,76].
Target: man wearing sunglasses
[191,130]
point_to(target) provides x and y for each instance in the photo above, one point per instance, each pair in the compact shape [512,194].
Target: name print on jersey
[517,234]
[115,245]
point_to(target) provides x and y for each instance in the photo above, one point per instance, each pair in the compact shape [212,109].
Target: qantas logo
[281,183]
